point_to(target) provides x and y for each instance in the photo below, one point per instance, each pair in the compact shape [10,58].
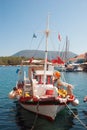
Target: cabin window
[49,79]
[38,78]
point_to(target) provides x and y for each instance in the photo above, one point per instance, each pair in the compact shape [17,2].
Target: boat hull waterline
[47,106]
[48,111]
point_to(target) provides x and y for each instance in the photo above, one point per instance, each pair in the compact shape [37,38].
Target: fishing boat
[37,92]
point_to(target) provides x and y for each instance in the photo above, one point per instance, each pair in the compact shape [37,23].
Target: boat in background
[73,67]
[36,91]
[85,99]
[58,64]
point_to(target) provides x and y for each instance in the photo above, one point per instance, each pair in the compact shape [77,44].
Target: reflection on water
[28,121]
[85,115]
[24,119]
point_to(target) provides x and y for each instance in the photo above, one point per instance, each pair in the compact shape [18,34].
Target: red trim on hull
[45,100]
[62,104]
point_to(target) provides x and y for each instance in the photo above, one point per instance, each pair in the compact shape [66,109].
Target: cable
[76,116]
[35,117]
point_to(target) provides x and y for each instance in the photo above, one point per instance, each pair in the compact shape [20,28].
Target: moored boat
[37,92]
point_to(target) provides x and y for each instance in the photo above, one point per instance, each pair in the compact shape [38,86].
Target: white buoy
[75,102]
[12,94]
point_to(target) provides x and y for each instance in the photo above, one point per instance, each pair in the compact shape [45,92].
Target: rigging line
[38,47]
[53,44]
[35,117]
[50,56]
[63,77]
[62,56]
[76,116]
[63,52]
[53,47]
[31,43]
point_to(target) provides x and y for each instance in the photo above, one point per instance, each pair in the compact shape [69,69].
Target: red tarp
[58,60]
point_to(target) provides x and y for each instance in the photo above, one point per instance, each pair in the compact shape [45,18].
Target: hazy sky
[19,19]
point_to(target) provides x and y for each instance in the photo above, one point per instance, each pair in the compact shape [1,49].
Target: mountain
[40,54]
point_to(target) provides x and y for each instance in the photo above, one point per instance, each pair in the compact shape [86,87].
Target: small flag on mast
[34,35]
[59,37]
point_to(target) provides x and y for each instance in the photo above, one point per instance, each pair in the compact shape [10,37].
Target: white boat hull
[49,111]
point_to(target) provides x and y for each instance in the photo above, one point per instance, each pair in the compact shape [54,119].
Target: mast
[66,49]
[46,49]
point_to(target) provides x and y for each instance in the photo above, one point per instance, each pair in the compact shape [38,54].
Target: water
[14,117]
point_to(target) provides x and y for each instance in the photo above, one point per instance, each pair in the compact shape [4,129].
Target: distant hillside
[40,54]
[80,57]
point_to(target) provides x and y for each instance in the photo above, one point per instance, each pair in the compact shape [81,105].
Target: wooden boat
[37,92]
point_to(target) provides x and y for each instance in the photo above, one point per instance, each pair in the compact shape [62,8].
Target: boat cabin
[39,76]
[34,73]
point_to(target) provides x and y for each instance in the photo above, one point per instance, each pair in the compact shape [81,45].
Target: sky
[19,19]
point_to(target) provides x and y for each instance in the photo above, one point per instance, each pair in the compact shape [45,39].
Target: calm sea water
[14,117]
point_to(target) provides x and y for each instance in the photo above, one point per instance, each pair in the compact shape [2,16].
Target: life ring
[71,97]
